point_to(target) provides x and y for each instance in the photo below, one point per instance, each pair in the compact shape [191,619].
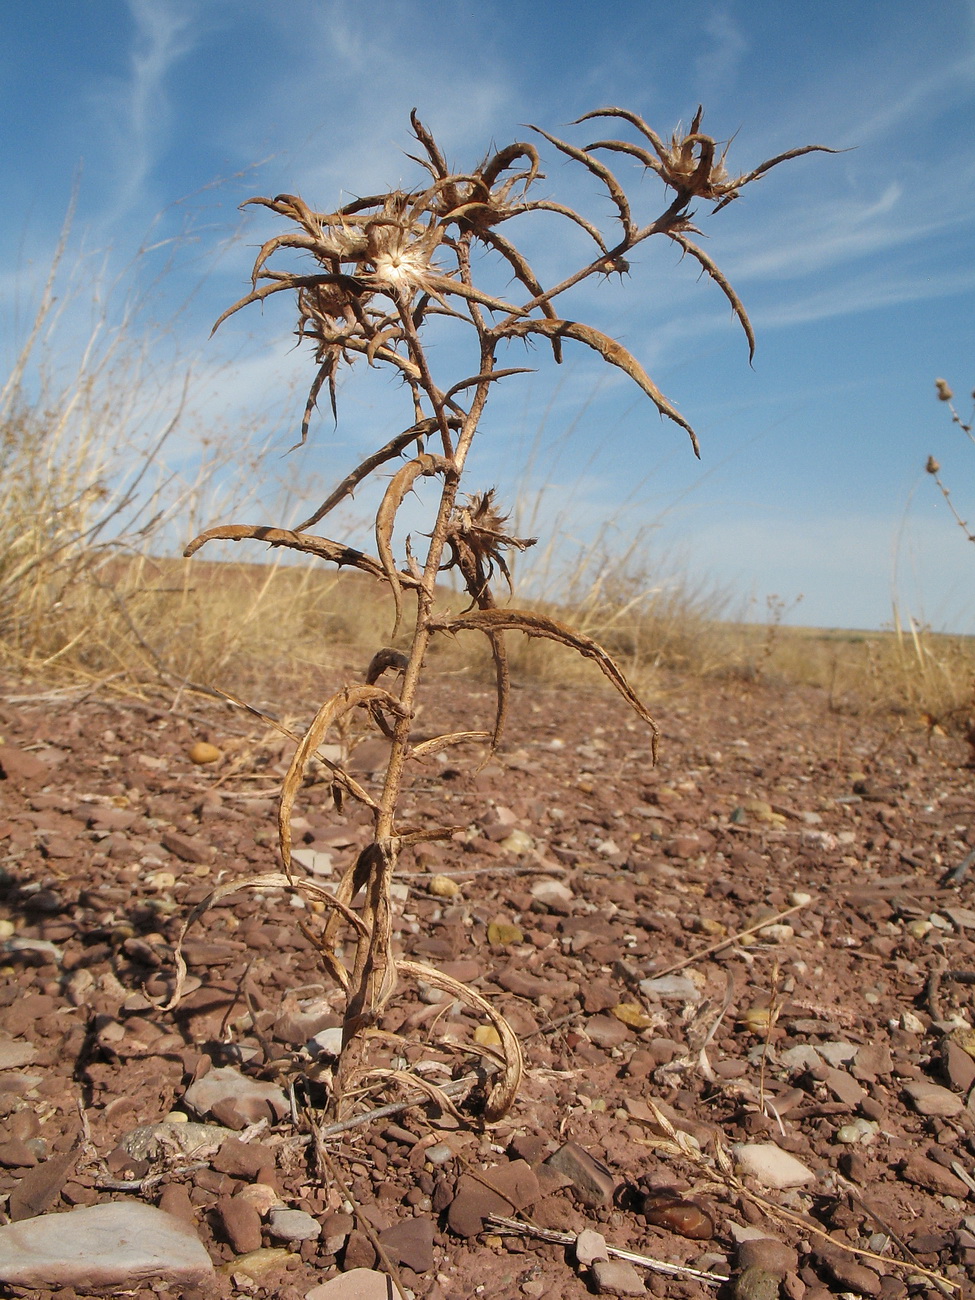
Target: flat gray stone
[235,1100]
[932,1099]
[771,1165]
[671,988]
[293,1225]
[116,1243]
[617,1277]
[837,1053]
[15,1054]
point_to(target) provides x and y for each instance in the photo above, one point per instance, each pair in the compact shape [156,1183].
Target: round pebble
[293,1225]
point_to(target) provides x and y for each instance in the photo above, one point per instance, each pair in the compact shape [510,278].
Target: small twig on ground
[454,1089]
[569,1238]
[732,938]
[326,1162]
[150,1181]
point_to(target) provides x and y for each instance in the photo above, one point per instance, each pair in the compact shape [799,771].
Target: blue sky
[858,270]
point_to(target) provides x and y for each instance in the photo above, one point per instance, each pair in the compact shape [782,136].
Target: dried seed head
[944,392]
[476,538]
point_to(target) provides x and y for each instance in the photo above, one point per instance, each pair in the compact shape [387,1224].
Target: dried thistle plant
[946,395]
[384,266]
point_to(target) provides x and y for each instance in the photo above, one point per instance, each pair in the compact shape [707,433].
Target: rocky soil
[759,1111]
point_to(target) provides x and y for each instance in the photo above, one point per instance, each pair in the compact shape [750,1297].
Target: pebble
[443,887]
[241,1223]
[518,842]
[837,1053]
[931,1099]
[441,1154]
[617,1277]
[958,1066]
[771,1165]
[922,1172]
[607,1031]
[671,988]
[327,1043]
[768,1254]
[590,1246]
[553,895]
[357,1284]
[686,1218]
[14,1055]
[244,1159]
[262,1196]
[410,1242]
[116,1243]
[861,1131]
[757,1284]
[593,1181]
[235,1100]
[293,1225]
[315,861]
[504,933]
[203,752]
[848,1274]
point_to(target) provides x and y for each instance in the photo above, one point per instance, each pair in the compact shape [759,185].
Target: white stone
[248,1096]
[114,1244]
[327,1043]
[315,861]
[771,1165]
[617,1277]
[837,1053]
[590,1246]
[679,988]
[552,893]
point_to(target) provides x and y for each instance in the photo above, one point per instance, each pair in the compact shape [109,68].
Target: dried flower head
[476,539]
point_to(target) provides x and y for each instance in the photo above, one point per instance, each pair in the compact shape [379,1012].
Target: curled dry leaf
[502,1095]
[534,624]
[269,880]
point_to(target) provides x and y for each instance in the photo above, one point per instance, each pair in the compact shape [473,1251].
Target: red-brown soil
[109,834]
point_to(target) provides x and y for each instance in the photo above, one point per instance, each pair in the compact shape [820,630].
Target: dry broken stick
[517,1227]
[375,274]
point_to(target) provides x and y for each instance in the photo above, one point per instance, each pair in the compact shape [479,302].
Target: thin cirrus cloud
[133,112]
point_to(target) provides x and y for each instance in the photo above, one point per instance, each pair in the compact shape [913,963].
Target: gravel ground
[839,1035]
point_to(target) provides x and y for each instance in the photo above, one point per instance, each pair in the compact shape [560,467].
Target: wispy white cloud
[718,62]
[135,110]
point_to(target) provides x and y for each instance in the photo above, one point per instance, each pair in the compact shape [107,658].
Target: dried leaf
[503,1093]
[610,351]
[401,483]
[533,624]
[350,697]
